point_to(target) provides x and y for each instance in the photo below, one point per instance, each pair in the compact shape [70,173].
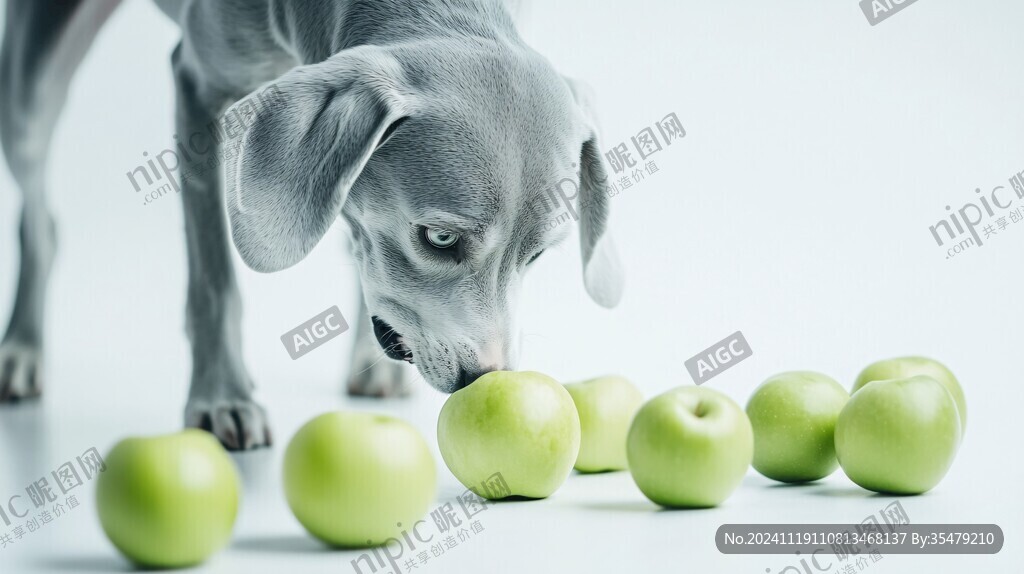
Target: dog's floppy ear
[298,159]
[602,270]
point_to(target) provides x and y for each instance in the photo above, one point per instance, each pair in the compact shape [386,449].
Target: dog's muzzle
[391,341]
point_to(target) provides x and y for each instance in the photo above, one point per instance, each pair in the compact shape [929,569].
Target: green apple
[522,425]
[606,406]
[904,367]
[794,416]
[354,479]
[689,447]
[898,436]
[168,501]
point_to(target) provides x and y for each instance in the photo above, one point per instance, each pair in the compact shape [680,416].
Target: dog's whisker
[373,364]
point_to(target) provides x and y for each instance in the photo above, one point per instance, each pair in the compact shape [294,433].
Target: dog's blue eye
[441,238]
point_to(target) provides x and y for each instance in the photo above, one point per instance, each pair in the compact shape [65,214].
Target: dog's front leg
[371,374]
[220,398]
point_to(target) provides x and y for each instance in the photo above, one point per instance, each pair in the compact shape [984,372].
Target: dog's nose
[466,377]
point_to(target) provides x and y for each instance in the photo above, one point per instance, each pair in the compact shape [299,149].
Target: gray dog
[428,125]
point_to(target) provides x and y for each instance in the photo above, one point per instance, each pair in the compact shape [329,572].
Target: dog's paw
[21,374]
[384,378]
[240,424]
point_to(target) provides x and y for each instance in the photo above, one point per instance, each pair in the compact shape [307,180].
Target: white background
[819,150]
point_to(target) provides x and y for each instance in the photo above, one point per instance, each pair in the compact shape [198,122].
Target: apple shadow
[452,495]
[794,485]
[289,544]
[666,509]
[849,492]
[631,506]
[513,499]
[92,563]
[638,506]
[595,472]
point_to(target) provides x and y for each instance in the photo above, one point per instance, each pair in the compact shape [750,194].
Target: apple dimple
[689,447]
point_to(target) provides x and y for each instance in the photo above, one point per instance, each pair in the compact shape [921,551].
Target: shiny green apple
[904,367]
[689,447]
[794,416]
[606,406]
[355,479]
[168,501]
[898,436]
[521,425]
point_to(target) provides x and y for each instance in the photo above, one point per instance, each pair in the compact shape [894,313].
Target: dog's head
[454,168]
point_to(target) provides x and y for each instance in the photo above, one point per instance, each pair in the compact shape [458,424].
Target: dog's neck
[314,30]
